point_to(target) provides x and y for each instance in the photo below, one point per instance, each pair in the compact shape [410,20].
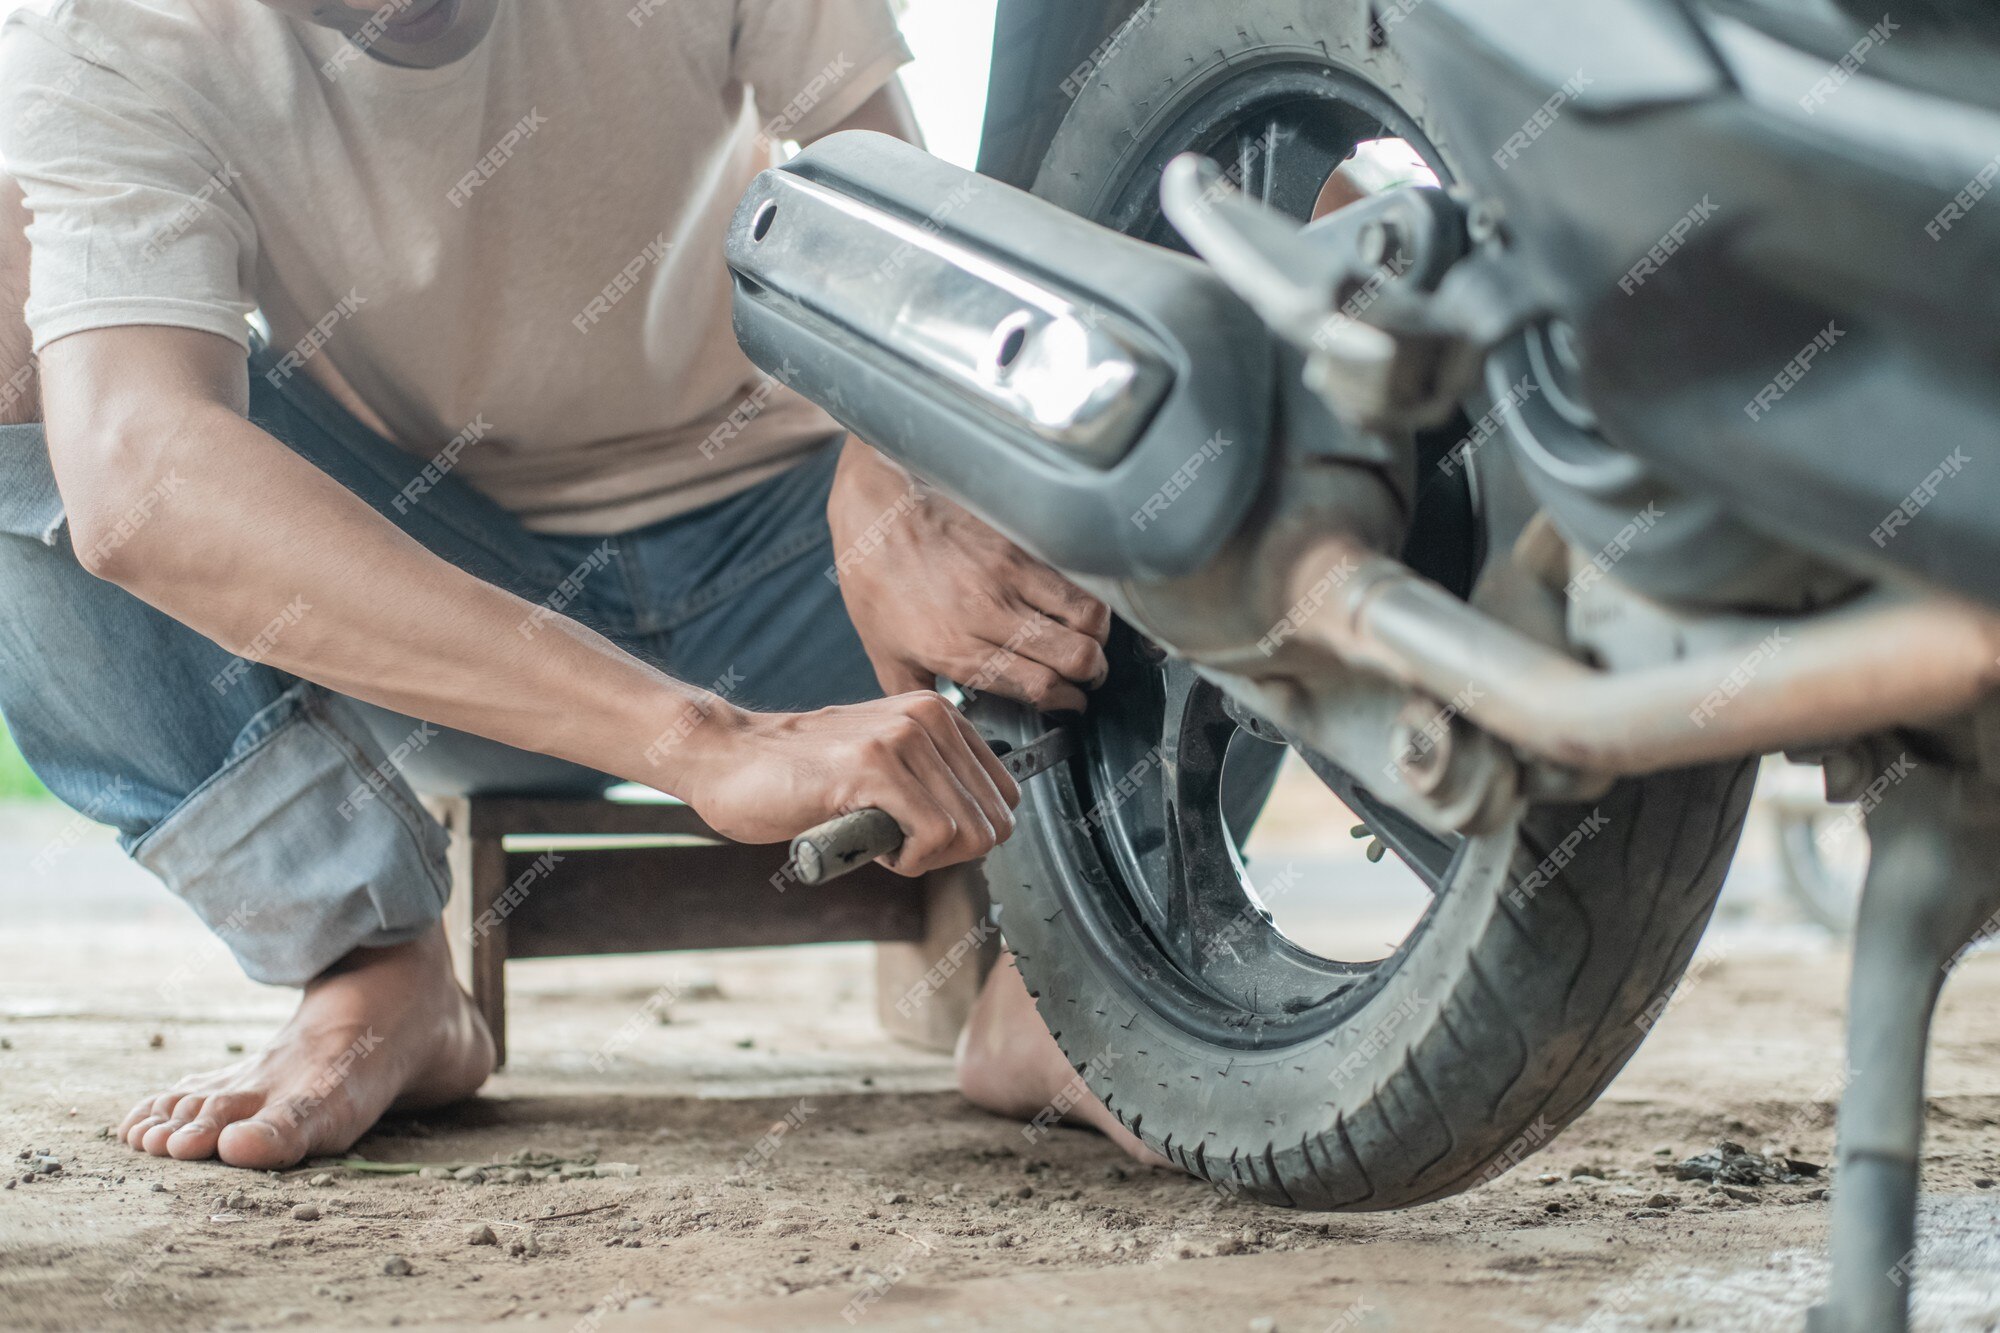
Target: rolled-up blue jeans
[284,813]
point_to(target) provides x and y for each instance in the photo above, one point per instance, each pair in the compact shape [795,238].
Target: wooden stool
[566,877]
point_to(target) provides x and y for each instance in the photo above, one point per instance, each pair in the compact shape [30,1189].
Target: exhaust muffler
[1054,376]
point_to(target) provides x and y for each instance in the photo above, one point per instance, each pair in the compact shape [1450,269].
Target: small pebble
[234,1048]
[397,1266]
[157,1188]
[306,1212]
[895,1196]
[1025,1192]
[1662,1201]
[1263,1323]
[320,1181]
[481,1235]
[1983,1183]
[156,1041]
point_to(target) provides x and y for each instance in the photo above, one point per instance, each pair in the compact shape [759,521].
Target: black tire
[1508,1009]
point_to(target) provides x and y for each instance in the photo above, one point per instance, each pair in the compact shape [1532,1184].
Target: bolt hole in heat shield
[1053,375]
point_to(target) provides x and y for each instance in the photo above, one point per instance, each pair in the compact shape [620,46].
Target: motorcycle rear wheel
[1286,1077]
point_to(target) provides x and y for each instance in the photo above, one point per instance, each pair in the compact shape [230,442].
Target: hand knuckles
[1079,660]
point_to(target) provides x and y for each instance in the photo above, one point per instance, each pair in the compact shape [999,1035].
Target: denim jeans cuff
[306,845]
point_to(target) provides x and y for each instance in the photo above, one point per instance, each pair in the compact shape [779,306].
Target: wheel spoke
[1204,891]
[1270,162]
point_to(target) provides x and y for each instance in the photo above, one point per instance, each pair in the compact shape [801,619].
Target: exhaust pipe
[1053,376]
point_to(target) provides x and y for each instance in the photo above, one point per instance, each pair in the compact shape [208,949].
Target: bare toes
[140,1110]
[184,1109]
[155,1139]
[268,1141]
[136,1136]
[197,1138]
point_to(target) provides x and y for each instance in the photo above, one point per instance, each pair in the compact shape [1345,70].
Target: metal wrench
[847,842]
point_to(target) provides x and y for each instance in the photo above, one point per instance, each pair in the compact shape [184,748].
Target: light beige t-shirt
[523,247]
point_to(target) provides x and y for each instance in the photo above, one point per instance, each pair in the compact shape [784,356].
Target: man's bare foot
[380,1028]
[1009,1064]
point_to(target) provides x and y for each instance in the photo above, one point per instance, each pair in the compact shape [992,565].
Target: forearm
[20,397]
[250,545]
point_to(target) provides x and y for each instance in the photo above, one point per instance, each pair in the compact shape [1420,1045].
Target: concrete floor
[887,1199]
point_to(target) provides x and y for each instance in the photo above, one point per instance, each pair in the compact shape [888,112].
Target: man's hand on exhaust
[935,592]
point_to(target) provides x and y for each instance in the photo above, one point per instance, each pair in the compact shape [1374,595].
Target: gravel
[1732,1164]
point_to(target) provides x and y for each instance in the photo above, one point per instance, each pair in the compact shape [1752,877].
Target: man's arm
[20,390]
[176,497]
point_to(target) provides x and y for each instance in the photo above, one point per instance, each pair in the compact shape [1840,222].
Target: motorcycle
[1636,432]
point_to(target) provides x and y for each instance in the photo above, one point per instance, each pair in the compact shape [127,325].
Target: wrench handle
[846,842]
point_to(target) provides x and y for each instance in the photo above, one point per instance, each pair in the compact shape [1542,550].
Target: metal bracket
[1931,890]
[1394,336]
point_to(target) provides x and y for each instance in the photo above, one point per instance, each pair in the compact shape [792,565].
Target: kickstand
[1933,886]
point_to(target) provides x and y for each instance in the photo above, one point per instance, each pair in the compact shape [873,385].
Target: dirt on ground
[726,1141]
